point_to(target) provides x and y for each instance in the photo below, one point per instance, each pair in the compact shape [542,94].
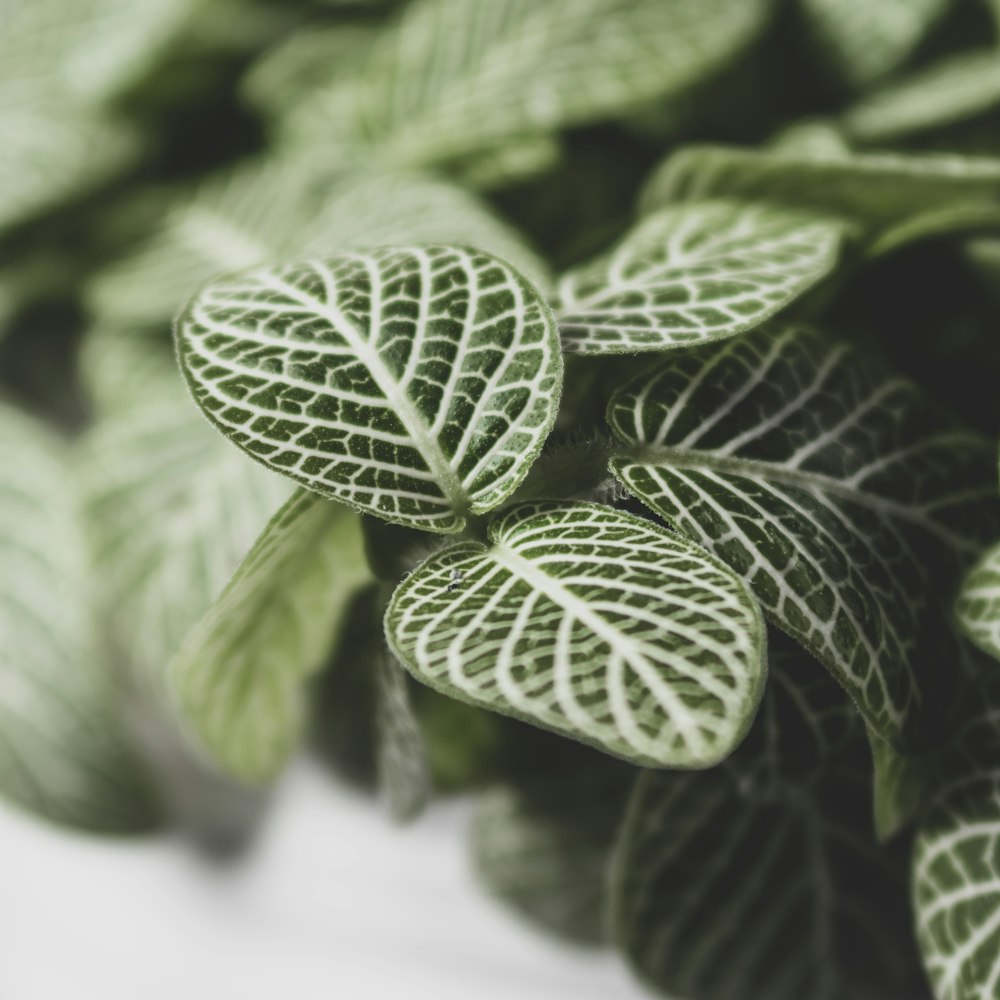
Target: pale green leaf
[870,189]
[953,90]
[978,606]
[416,384]
[593,623]
[63,751]
[863,40]
[172,512]
[903,786]
[239,674]
[956,863]
[459,76]
[695,273]
[846,499]
[544,847]
[401,761]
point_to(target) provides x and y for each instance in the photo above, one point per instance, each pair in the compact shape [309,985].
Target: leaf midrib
[427,445]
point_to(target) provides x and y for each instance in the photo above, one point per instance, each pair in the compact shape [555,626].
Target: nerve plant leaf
[954,90]
[460,76]
[276,209]
[401,761]
[695,273]
[63,752]
[863,40]
[417,384]
[956,864]
[593,623]
[762,878]
[978,606]
[240,673]
[544,846]
[872,190]
[848,502]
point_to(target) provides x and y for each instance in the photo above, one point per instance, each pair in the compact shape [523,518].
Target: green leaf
[63,751]
[401,762]
[592,623]
[172,511]
[461,76]
[281,209]
[846,499]
[695,273]
[953,90]
[863,40]
[956,865]
[903,786]
[720,895]
[416,384]
[544,847]
[761,878]
[240,673]
[978,606]
[871,189]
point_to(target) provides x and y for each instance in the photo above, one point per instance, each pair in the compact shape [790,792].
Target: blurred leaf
[544,846]
[63,751]
[591,623]
[239,673]
[978,606]
[863,40]
[953,90]
[362,377]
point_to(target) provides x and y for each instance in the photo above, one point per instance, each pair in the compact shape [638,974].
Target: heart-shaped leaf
[978,606]
[240,672]
[695,273]
[417,384]
[63,751]
[762,878]
[593,623]
[863,40]
[848,502]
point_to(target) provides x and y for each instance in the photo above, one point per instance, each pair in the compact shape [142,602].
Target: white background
[332,901]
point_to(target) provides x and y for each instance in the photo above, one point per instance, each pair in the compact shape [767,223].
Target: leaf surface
[240,672]
[692,274]
[416,384]
[592,623]
[63,751]
[978,606]
[848,502]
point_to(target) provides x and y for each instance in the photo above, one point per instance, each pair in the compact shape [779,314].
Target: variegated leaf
[63,750]
[721,895]
[460,76]
[401,761]
[848,502]
[695,273]
[956,862]
[951,91]
[240,672]
[978,606]
[544,846]
[870,189]
[592,623]
[416,384]
[863,40]
[762,878]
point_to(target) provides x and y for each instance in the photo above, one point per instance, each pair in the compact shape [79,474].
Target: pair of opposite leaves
[419,385]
